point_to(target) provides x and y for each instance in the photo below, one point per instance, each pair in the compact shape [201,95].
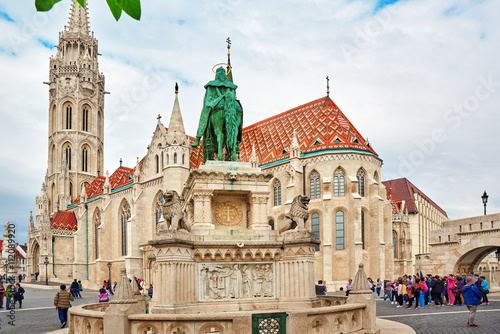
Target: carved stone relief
[220,281]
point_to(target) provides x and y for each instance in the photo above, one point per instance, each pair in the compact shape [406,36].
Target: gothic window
[175,158]
[67,152]
[84,160]
[315,185]
[361,182]
[362,229]
[124,217]
[338,183]
[97,222]
[158,208]
[394,238]
[277,192]
[168,159]
[271,223]
[183,159]
[68,117]
[157,164]
[71,191]
[85,121]
[339,230]
[315,227]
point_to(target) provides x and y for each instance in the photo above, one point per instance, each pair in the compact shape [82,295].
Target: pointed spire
[78,20]
[254,160]
[31,224]
[229,69]
[176,125]
[106,188]
[294,146]
[137,171]
[83,194]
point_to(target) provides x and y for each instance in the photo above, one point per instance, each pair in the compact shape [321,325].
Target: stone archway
[35,258]
[468,255]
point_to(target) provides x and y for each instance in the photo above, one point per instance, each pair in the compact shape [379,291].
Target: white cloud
[412,62]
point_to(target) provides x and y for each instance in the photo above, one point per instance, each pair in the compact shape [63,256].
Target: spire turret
[78,19]
[176,133]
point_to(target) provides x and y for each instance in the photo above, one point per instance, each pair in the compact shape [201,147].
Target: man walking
[62,303]
[437,288]
[472,296]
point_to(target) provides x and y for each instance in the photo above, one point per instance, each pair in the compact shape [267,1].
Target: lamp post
[109,273]
[485,200]
[46,263]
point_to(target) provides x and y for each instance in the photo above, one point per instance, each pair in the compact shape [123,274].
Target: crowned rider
[220,95]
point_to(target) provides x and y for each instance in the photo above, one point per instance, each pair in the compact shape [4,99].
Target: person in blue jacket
[472,297]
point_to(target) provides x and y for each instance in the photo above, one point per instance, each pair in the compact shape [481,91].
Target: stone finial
[135,288]
[254,160]
[137,171]
[294,146]
[124,293]
[360,284]
[31,224]
[83,194]
[107,185]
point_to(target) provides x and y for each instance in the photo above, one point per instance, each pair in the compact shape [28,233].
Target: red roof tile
[404,190]
[320,125]
[64,220]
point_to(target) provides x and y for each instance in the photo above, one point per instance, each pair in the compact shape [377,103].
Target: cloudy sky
[419,78]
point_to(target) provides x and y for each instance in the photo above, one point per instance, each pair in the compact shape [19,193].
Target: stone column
[258,203]
[202,219]
[361,293]
[123,304]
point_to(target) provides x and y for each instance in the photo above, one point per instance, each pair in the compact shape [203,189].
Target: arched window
[85,121]
[84,160]
[315,185]
[158,208]
[375,176]
[99,125]
[315,227]
[271,223]
[277,192]
[97,222]
[162,162]
[68,117]
[362,229]
[168,159]
[338,183]
[394,238]
[67,152]
[361,182]
[124,217]
[71,192]
[339,230]
[175,158]
[157,164]
[183,158]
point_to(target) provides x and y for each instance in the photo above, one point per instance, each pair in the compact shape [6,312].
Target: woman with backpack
[103,296]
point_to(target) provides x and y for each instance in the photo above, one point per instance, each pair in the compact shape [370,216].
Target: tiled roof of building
[64,220]
[404,190]
[320,126]
[121,177]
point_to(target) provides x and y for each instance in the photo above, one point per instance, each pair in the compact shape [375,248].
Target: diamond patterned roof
[64,220]
[320,125]
[121,177]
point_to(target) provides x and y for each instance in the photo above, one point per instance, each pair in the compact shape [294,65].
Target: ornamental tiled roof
[121,177]
[320,126]
[403,190]
[64,220]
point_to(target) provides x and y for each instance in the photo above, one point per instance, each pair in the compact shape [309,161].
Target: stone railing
[332,300]
[87,318]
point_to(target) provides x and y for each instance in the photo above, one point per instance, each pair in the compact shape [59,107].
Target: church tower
[76,112]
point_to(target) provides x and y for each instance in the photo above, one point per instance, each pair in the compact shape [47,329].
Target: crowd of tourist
[453,290]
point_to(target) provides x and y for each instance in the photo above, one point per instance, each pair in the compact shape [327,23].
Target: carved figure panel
[219,281]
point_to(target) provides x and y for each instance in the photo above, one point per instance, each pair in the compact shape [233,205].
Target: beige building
[85,220]
[423,217]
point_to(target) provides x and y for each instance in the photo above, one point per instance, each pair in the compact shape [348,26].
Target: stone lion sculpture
[298,215]
[175,218]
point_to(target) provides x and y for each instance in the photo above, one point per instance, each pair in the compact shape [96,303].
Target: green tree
[131,7]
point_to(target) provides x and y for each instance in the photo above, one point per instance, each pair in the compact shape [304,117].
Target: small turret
[106,188]
[176,134]
[254,160]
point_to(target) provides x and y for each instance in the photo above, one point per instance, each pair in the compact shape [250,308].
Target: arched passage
[36,258]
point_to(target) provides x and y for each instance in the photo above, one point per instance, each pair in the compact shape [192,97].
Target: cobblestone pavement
[443,320]
[38,314]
